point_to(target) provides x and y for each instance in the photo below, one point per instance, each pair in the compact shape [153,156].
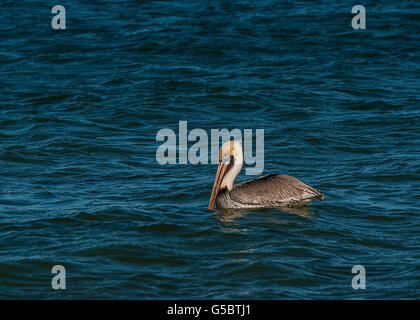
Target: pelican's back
[274,190]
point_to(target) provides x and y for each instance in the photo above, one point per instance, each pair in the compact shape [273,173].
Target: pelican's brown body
[273,190]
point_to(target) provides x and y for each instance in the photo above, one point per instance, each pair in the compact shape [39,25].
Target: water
[80,185]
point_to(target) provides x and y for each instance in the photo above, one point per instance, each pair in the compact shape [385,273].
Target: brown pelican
[272,190]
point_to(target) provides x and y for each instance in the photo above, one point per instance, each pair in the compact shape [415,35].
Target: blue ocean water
[80,185]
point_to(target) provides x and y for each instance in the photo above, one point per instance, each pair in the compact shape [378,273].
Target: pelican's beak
[221,169]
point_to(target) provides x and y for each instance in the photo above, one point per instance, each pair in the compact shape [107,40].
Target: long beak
[221,169]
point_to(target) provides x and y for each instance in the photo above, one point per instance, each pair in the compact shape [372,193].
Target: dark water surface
[80,185]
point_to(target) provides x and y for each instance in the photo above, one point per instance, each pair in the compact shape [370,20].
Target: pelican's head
[230,164]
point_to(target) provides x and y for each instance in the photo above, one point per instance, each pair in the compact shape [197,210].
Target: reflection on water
[303,212]
[228,215]
[229,218]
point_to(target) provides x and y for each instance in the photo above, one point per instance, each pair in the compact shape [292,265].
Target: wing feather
[274,190]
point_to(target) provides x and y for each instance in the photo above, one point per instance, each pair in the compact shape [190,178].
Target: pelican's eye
[226,158]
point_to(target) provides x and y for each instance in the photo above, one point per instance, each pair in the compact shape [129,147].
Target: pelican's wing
[274,190]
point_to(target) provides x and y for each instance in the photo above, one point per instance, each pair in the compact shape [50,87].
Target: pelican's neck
[231,175]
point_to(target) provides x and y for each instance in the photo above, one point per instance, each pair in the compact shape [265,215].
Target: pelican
[269,191]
